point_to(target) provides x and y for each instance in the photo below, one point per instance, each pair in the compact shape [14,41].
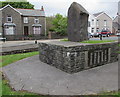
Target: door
[26,33]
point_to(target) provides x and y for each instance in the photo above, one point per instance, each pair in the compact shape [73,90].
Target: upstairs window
[9,18]
[25,19]
[97,22]
[92,21]
[105,22]
[36,21]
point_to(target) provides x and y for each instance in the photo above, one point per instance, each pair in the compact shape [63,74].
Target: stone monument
[73,56]
[77,23]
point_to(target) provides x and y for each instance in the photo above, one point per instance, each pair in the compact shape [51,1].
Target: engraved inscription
[98,57]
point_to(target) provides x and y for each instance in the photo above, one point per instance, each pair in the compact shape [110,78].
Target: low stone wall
[22,37]
[19,49]
[73,57]
[54,35]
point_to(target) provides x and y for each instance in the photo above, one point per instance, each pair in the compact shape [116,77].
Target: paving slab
[35,76]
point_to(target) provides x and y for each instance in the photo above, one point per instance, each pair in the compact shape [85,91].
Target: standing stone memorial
[73,56]
[77,23]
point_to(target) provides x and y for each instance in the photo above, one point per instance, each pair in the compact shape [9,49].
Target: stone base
[73,57]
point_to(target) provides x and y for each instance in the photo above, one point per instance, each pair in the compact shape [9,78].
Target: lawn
[8,59]
[93,41]
[97,41]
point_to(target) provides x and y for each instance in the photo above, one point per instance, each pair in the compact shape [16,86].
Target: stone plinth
[77,23]
[73,57]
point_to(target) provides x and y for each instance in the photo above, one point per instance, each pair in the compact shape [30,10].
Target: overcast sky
[53,7]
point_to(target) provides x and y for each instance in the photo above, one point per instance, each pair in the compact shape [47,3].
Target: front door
[26,33]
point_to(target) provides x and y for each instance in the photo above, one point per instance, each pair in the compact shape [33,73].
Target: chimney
[42,9]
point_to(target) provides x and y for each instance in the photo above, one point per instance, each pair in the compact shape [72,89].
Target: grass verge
[93,41]
[8,59]
[97,41]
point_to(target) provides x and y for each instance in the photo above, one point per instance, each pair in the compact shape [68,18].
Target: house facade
[99,21]
[0,22]
[116,21]
[20,24]
[116,25]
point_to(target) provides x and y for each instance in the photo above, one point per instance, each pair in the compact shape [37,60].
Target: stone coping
[73,44]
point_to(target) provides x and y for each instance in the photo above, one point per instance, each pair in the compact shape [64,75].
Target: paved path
[32,75]
[12,46]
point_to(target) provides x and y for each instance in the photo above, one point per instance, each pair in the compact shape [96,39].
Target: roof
[115,19]
[96,14]
[27,12]
[100,13]
[31,12]
[10,7]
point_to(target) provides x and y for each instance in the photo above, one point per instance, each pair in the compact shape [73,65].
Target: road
[106,38]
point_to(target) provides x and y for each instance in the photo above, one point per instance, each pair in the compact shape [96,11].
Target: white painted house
[99,21]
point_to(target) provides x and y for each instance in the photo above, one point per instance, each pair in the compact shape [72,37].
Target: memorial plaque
[98,57]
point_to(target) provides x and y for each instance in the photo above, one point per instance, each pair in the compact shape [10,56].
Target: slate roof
[96,14]
[27,12]
[31,12]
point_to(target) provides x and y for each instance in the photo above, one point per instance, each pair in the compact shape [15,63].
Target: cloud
[92,6]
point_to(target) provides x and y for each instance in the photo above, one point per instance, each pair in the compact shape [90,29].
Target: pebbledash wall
[73,57]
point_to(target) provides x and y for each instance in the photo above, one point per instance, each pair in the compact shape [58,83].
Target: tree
[49,24]
[60,24]
[18,4]
[16,0]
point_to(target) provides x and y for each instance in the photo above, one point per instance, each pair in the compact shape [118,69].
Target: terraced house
[17,24]
[99,21]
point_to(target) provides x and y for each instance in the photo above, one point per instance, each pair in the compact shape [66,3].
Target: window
[92,21]
[25,19]
[9,18]
[9,30]
[36,21]
[97,30]
[97,22]
[92,30]
[105,22]
[37,30]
